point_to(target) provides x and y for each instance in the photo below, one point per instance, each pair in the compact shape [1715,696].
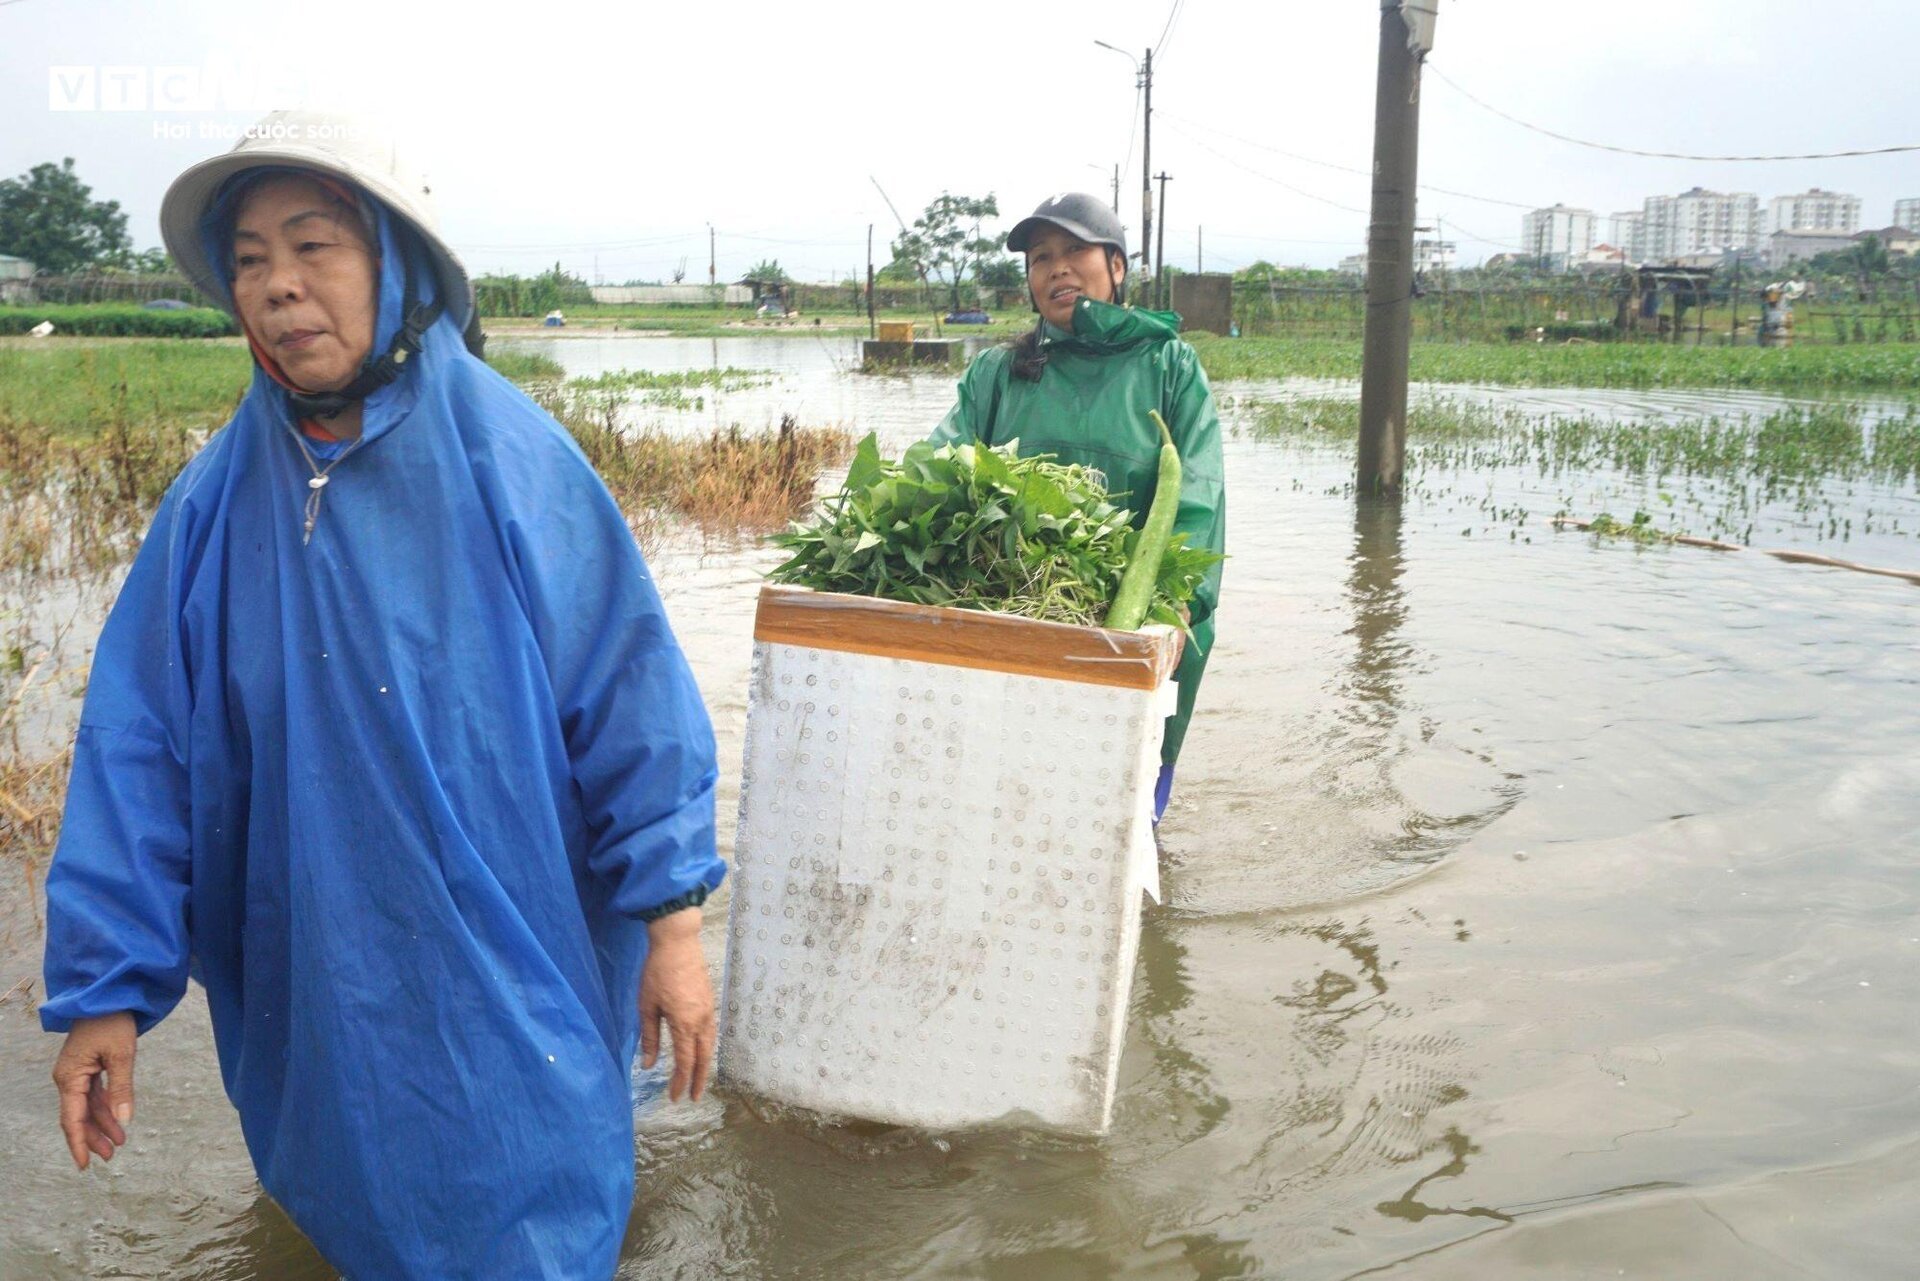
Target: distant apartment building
[1814,210]
[1353,264]
[1556,236]
[1627,229]
[1698,222]
[1906,213]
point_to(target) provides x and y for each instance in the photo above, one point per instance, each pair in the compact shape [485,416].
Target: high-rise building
[1699,222]
[1626,230]
[1906,213]
[1557,235]
[1814,210]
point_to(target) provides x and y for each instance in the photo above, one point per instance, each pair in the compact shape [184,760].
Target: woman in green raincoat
[1079,385]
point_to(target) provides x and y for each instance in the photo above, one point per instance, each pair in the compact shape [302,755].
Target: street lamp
[1123,53]
[1143,72]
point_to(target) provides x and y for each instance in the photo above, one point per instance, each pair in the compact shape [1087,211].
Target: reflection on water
[1410,1207]
[1379,608]
[1516,893]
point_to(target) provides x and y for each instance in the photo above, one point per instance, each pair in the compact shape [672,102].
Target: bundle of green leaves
[972,527]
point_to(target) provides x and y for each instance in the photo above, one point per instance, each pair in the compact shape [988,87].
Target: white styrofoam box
[936,890]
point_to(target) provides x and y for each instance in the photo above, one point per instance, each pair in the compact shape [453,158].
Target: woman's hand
[94,1074]
[674,986]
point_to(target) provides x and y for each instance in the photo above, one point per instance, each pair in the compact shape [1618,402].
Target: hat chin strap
[375,373]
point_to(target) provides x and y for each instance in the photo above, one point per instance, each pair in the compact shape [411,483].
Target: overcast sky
[609,135]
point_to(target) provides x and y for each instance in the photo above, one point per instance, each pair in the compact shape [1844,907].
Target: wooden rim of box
[966,638]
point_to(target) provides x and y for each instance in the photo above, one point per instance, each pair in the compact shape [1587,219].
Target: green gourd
[1130,603]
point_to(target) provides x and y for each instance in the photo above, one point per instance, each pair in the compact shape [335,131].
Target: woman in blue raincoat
[387,742]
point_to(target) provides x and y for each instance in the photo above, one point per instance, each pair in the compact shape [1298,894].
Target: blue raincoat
[396,798]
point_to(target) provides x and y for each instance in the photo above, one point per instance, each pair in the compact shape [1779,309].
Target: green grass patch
[527,366]
[76,389]
[1892,366]
[118,320]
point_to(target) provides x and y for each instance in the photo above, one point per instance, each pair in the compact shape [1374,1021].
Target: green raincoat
[1090,407]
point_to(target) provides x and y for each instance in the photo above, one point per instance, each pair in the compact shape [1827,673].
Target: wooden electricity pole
[1406,37]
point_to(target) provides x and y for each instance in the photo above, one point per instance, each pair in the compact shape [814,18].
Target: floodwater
[1535,906]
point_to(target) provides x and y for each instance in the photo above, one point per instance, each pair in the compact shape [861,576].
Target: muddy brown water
[1536,906]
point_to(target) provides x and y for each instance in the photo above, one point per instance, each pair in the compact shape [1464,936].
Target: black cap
[1077,214]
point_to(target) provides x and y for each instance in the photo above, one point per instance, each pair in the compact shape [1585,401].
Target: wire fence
[1602,309]
[108,287]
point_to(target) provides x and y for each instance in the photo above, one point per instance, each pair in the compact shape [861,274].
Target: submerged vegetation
[1723,470]
[673,389]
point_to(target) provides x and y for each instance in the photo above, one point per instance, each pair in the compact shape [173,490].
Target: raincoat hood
[405,279]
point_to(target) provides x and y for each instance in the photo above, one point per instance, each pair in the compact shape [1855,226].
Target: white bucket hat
[346,147]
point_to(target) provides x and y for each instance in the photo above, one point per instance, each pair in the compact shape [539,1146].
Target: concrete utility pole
[1143,80]
[713,281]
[1406,37]
[1160,254]
[1146,159]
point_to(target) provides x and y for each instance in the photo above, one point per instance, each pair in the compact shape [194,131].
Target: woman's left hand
[674,987]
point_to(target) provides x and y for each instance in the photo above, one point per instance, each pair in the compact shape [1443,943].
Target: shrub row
[119,320]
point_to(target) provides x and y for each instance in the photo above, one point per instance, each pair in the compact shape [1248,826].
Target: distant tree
[767,269]
[1001,271]
[1870,262]
[902,270]
[49,217]
[535,296]
[148,262]
[948,241]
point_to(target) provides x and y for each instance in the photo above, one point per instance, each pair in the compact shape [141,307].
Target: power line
[1298,191]
[1133,128]
[583,244]
[1658,155]
[1466,233]
[1328,164]
[1173,16]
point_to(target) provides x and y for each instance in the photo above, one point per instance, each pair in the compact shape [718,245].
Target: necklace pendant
[318,482]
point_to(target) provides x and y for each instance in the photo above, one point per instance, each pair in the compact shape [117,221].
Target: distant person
[387,742]
[1079,385]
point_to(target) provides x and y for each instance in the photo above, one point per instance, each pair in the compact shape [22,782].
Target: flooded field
[1536,905]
